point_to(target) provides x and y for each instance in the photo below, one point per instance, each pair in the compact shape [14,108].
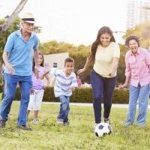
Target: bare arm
[114,66]
[125,83]
[48,79]
[89,63]
[7,64]
[36,53]
[127,74]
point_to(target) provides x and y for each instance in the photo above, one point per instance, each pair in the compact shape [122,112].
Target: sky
[73,21]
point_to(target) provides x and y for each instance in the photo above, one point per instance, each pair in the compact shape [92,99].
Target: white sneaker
[35,121]
[95,126]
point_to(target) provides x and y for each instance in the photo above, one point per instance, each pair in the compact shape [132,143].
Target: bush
[81,95]
[121,96]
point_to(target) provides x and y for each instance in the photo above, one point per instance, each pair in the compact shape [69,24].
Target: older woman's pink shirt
[138,67]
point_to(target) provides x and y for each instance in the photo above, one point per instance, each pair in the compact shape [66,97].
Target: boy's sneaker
[107,120]
[2,124]
[24,127]
[35,121]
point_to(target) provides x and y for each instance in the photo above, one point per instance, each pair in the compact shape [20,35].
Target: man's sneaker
[107,120]
[2,124]
[24,127]
[35,121]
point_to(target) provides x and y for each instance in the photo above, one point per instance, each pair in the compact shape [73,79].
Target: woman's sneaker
[95,124]
[107,120]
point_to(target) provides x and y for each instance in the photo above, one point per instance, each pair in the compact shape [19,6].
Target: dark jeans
[102,92]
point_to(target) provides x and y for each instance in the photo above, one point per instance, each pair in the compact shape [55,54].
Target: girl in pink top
[36,96]
[137,73]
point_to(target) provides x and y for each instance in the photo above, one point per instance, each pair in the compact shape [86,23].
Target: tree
[7,26]
[143,32]
[4,35]
[13,16]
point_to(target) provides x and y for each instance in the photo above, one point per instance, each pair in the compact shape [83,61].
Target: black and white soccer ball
[102,129]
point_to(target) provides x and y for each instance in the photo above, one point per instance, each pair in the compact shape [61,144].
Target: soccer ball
[102,129]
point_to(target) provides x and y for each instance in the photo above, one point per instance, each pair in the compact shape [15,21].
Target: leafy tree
[4,35]
[143,32]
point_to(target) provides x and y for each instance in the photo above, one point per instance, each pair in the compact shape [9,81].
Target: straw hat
[28,17]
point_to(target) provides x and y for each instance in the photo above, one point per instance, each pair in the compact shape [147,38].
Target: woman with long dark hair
[104,57]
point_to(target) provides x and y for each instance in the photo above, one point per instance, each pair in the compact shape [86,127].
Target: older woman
[137,73]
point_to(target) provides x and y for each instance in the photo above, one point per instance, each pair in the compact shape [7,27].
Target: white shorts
[36,100]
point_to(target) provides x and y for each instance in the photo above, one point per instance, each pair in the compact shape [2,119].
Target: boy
[65,82]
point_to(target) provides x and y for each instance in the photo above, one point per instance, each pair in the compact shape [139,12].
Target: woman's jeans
[11,81]
[140,93]
[102,91]
[64,108]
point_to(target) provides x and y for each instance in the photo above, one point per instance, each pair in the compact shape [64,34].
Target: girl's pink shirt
[138,67]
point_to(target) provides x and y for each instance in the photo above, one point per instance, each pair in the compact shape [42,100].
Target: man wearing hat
[20,48]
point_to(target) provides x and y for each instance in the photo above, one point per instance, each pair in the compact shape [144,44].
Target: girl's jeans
[102,90]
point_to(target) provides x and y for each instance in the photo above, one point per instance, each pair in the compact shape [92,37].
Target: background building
[55,60]
[138,12]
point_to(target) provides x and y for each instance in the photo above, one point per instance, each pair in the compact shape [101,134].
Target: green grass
[47,135]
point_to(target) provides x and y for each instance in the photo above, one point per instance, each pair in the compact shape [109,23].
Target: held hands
[32,92]
[80,71]
[122,86]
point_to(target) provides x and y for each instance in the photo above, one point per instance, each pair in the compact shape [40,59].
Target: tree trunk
[12,17]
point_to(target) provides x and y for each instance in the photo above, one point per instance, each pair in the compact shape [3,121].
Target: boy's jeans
[64,108]
[11,81]
[140,93]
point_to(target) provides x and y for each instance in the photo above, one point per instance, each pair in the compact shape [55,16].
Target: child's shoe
[35,121]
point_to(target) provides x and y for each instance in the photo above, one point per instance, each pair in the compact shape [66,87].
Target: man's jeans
[11,81]
[102,92]
[64,108]
[140,93]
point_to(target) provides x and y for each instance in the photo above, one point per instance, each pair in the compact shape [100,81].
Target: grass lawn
[47,135]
